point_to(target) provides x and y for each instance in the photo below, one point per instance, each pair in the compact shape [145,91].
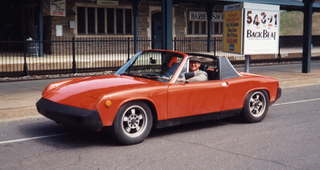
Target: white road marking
[298,101]
[31,138]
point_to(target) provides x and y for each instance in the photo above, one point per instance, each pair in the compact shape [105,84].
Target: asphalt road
[288,138]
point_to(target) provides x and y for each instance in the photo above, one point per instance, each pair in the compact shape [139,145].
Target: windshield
[155,65]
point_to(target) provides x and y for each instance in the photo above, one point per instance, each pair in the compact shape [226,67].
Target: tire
[255,107]
[133,123]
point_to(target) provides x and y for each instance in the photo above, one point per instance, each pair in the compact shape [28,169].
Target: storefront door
[19,20]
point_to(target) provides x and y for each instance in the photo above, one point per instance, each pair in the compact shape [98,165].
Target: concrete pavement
[287,139]
[17,99]
[290,75]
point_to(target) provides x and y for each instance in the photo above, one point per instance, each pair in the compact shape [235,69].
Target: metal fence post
[25,64]
[128,48]
[190,45]
[279,54]
[74,65]
[175,43]
[247,63]
[214,46]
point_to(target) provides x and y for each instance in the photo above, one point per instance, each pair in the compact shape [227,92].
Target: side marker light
[108,103]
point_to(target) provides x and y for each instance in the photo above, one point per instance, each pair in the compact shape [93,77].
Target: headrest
[204,67]
[173,61]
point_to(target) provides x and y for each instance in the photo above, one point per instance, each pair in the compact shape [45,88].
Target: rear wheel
[256,106]
[133,123]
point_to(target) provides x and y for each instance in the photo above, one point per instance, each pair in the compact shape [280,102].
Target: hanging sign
[202,16]
[107,2]
[217,16]
[232,29]
[251,28]
[58,7]
[197,16]
[88,1]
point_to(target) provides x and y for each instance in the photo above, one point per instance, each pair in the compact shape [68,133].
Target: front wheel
[133,123]
[256,106]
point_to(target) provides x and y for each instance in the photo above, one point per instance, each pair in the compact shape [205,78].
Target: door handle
[225,84]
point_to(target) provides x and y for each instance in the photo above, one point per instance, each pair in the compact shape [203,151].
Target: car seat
[213,74]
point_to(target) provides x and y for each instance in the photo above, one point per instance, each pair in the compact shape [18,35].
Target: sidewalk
[17,99]
[290,75]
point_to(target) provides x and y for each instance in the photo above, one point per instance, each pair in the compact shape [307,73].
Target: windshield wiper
[126,74]
[151,76]
[130,74]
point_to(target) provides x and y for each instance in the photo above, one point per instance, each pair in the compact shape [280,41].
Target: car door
[195,98]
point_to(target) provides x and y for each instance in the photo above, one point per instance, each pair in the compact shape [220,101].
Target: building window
[101,18]
[110,18]
[91,20]
[81,20]
[217,28]
[198,25]
[113,21]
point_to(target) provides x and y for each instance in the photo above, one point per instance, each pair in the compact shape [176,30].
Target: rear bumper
[68,115]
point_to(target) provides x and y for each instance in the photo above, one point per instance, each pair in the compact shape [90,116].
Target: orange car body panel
[92,92]
[187,99]
[170,99]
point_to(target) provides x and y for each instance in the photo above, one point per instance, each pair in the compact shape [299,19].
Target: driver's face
[194,66]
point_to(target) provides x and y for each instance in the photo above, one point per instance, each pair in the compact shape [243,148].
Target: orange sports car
[159,88]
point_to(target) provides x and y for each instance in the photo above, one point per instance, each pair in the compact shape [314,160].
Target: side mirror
[153,61]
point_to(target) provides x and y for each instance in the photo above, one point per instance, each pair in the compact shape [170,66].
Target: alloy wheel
[257,104]
[134,121]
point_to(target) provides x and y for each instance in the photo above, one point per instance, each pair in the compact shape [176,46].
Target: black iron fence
[59,56]
[75,55]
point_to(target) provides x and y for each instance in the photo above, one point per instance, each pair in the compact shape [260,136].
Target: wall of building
[185,41]
[146,9]
[71,17]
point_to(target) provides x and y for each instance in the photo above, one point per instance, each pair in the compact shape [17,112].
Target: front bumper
[279,93]
[69,115]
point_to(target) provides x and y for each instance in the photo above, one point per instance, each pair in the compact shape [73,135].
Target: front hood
[85,92]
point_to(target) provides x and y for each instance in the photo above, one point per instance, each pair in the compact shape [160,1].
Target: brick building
[65,19]
[56,19]
[77,33]
[94,18]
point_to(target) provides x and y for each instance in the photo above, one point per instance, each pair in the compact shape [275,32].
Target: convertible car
[153,90]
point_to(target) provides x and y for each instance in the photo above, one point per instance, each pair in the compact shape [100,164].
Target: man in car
[195,74]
